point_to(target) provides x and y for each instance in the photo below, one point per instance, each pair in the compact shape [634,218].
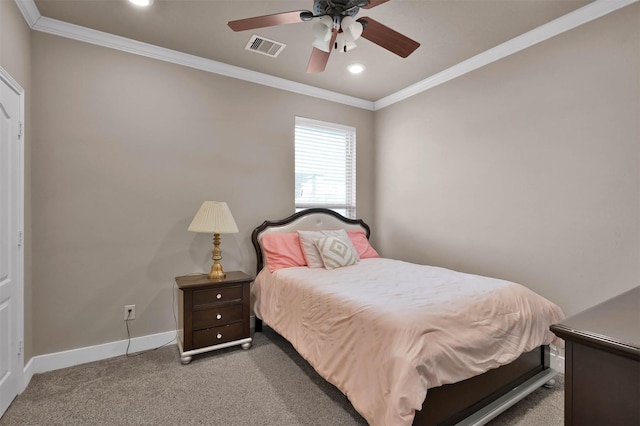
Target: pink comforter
[384,331]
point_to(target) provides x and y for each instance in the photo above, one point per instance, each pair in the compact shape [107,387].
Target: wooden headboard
[316,219]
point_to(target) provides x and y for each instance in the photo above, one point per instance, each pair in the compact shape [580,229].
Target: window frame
[348,133]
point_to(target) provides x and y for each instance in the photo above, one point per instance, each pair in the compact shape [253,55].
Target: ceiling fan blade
[387,38]
[374,3]
[267,20]
[319,58]
[317,61]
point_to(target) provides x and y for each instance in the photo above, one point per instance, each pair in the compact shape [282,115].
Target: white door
[11,254]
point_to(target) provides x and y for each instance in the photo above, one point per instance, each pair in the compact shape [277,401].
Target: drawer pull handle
[219,336]
[218,316]
[218,296]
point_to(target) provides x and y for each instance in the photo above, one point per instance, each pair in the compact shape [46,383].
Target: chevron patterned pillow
[335,252]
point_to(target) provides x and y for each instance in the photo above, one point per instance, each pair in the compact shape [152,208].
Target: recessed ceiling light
[355,68]
[142,3]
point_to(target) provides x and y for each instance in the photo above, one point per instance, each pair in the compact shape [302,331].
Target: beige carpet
[270,384]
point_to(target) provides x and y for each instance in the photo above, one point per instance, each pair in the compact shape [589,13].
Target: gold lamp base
[216,273]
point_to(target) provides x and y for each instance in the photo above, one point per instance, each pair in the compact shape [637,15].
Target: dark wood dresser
[212,314]
[602,363]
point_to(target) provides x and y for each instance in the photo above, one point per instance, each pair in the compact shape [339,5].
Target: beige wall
[15,58]
[125,150]
[527,169]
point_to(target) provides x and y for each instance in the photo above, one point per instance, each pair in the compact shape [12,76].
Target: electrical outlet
[129,312]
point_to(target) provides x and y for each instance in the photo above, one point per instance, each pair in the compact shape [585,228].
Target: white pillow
[336,253]
[310,251]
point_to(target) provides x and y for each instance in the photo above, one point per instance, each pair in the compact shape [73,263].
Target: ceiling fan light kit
[323,27]
[351,28]
[343,44]
[325,46]
[336,28]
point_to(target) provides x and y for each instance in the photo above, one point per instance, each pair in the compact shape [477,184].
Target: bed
[406,343]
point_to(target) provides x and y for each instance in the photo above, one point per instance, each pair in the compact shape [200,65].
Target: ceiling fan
[336,28]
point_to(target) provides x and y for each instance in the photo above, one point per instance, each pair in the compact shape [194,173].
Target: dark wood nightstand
[212,314]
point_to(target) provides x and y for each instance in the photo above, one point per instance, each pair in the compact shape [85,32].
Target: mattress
[384,331]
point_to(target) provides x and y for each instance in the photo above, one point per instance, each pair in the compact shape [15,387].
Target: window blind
[325,157]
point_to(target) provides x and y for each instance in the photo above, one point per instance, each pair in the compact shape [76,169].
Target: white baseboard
[58,360]
[55,361]
[27,375]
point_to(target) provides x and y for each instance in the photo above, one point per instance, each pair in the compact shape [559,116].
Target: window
[325,166]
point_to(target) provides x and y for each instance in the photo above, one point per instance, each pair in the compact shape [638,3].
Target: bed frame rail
[479,399]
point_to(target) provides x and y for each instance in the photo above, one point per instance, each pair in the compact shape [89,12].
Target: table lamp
[214,217]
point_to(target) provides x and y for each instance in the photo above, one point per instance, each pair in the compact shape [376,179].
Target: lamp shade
[214,217]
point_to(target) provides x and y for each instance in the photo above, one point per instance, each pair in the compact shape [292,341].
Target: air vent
[265,46]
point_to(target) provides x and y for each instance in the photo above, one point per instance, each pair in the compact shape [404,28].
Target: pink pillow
[282,250]
[361,243]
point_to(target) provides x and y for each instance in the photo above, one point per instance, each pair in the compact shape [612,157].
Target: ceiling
[449,31]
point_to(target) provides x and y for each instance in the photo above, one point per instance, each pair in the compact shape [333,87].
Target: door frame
[18,211]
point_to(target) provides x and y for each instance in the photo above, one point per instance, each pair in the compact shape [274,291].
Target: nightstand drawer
[217,316]
[216,295]
[217,335]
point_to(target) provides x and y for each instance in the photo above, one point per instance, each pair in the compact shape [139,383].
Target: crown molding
[585,14]
[100,38]
[29,10]
[560,25]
